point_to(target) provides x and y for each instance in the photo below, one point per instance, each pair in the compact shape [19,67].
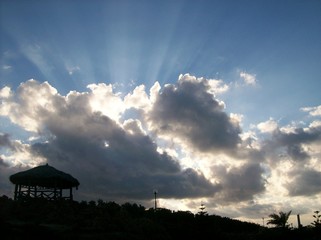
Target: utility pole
[155,194]
[299,221]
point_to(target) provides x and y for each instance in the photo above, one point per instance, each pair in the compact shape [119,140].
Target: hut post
[60,193]
[19,191]
[55,193]
[15,192]
[70,194]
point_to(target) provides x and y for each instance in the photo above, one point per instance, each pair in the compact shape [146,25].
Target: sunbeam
[214,102]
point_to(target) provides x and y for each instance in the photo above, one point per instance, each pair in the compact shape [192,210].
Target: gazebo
[43,182]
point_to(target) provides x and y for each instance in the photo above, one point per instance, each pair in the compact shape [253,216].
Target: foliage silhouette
[279,220]
[317,219]
[39,219]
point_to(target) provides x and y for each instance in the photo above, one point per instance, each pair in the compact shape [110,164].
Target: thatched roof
[44,176]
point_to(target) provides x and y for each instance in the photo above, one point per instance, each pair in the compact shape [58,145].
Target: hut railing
[24,192]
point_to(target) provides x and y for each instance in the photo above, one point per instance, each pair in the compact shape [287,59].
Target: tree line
[37,218]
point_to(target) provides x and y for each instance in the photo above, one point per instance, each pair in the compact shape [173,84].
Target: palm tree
[279,220]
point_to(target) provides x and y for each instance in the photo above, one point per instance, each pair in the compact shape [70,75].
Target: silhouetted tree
[317,219]
[202,211]
[279,220]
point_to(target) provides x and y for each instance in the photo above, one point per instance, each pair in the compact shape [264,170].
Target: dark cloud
[6,187]
[5,141]
[241,184]
[297,153]
[111,162]
[306,182]
[255,210]
[292,142]
[2,163]
[189,111]
[297,136]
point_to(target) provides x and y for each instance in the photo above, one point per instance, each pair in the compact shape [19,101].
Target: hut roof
[44,176]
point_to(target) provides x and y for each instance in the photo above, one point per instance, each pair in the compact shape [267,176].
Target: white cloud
[32,103]
[236,118]
[249,79]
[313,111]
[6,67]
[104,100]
[215,86]
[268,126]
[138,99]
[315,124]
[5,92]
[154,91]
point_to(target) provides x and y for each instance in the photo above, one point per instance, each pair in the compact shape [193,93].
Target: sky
[209,102]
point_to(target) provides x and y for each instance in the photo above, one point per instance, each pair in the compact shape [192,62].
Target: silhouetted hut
[43,182]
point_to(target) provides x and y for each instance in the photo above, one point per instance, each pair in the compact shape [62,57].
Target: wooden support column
[60,193]
[55,193]
[70,194]
[15,192]
[19,191]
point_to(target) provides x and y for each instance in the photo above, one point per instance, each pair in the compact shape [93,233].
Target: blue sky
[265,56]
[145,41]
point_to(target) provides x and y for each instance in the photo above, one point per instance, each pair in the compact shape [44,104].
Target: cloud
[6,67]
[177,138]
[214,86]
[249,79]
[313,111]
[5,171]
[268,126]
[10,163]
[104,100]
[298,135]
[189,111]
[108,160]
[5,93]
[32,103]
[292,141]
[5,141]
[240,183]
[297,153]
[306,182]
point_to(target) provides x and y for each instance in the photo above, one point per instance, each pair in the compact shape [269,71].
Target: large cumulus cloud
[108,160]
[189,110]
[122,146]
